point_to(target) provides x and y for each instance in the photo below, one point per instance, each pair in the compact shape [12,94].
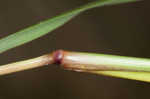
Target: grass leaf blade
[140,76]
[38,30]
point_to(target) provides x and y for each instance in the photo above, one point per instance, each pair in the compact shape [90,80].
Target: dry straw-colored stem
[25,65]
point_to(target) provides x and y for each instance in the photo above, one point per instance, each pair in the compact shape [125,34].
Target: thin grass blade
[140,76]
[38,30]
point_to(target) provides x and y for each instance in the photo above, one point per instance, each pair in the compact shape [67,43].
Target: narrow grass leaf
[38,30]
[140,76]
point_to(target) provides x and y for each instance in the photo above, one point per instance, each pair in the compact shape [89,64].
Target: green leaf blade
[139,76]
[38,30]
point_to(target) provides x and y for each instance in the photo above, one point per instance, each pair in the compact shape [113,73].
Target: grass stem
[25,65]
[110,65]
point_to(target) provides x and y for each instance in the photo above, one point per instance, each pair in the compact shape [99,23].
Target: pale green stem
[96,62]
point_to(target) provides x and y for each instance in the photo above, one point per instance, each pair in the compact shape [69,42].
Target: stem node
[58,56]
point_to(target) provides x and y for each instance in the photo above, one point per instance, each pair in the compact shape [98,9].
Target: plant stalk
[110,65]
[25,65]
[103,62]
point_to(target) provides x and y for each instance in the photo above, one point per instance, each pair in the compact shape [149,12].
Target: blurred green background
[119,30]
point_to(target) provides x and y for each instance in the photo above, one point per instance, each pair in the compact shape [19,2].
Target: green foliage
[38,30]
